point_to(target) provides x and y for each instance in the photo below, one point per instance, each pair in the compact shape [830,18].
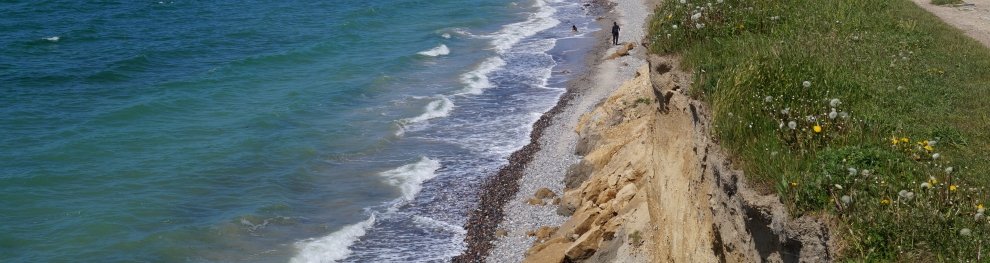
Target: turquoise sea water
[217,131]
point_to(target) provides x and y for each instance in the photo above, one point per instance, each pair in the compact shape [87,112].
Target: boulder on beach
[544,193]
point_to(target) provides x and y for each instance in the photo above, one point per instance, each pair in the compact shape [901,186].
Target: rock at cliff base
[535,201]
[544,193]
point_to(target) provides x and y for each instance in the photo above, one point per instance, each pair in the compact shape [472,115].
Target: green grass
[946,2]
[894,70]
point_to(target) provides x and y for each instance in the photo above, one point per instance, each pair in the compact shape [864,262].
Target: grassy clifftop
[873,110]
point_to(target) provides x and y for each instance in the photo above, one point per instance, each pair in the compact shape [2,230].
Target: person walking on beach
[615,33]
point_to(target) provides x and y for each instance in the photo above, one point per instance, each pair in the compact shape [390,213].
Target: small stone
[535,201]
[556,201]
[501,233]
[544,233]
[544,193]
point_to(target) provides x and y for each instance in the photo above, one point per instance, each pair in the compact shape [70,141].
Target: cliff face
[653,187]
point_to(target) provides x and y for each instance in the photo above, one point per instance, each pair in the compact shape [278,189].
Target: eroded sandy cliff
[653,187]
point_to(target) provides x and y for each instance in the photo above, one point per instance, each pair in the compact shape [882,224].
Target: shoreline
[503,193]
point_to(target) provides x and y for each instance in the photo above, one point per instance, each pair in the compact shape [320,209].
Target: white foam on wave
[435,109]
[436,51]
[450,250]
[438,108]
[511,34]
[333,247]
[336,246]
[426,222]
[409,178]
[445,35]
[52,38]
[476,81]
[459,31]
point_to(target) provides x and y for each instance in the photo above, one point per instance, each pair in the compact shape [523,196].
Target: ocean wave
[435,109]
[336,246]
[333,247]
[455,31]
[436,51]
[430,223]
[52,38]
[409,178]
[511,34]
[477,79]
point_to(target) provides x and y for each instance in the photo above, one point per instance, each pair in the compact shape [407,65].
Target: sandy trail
[973,18]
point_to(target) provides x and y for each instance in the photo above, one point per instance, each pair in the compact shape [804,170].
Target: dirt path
[973,17]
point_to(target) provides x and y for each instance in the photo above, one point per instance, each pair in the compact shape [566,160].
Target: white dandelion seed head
[719,1]
[674,26]
[834,103]
[785,111]
[838,186]
[846,199]
[852,171]
[906,195]
[792,125]
[926,185]
[932,142]
[865,172]
[696,16]
[768,98]
[699,25]
[949,170]
[935,156]
[965,232]
[979,216]
[683,1]
[709,4]
[668,35]
[810,118]
[843,115]
[833,114]
[806,84]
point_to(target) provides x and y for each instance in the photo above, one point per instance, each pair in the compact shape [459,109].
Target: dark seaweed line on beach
[501,188]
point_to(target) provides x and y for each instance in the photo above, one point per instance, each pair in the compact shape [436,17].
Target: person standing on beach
[615,33]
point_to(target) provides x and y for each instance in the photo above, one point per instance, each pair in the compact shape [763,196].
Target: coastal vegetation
[946,2]
[870,112]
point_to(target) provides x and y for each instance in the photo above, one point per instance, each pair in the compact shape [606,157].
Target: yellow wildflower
[905,140]
[979,206]
[817,128]
[932,181]
[929,148]
[885,201]
[793,184]
[953,187]
[670,16]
